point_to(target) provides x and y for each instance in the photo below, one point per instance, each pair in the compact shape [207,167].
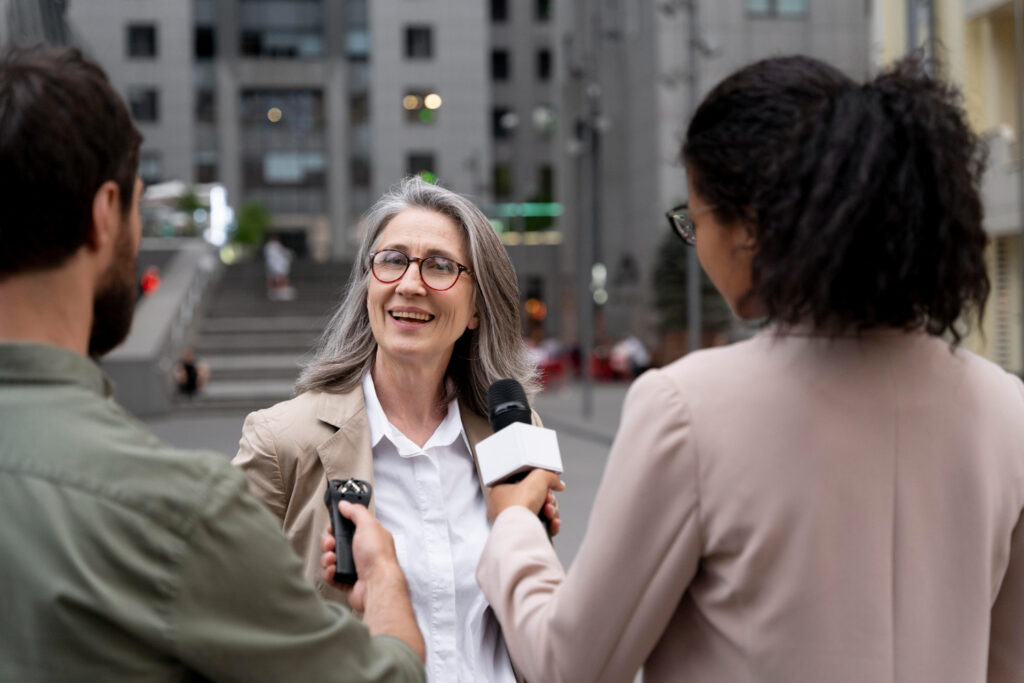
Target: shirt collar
[447,433]
[38,363]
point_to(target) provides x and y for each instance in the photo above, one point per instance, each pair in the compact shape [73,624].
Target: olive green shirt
[123,559]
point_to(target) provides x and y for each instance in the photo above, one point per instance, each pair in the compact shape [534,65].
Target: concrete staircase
[253,346]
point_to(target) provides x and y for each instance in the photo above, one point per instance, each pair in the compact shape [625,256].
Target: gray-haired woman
[397,395]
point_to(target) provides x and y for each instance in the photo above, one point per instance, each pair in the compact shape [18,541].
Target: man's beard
[114,303]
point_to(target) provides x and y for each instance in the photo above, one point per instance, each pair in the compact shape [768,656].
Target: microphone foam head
[506,403]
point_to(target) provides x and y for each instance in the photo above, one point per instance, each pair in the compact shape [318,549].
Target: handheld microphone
[517,446]
[357,492]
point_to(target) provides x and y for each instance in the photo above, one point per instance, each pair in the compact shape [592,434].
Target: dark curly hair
[863,199]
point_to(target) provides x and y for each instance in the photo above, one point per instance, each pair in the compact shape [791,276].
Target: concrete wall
[101,26]
[142,367]
[458,71]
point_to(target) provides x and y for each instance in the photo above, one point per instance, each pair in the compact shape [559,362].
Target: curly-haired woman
[839,498]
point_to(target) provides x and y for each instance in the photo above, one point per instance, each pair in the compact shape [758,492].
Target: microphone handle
[344,530]
[518,477]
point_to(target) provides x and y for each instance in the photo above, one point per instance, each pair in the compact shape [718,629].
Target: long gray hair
[494,350]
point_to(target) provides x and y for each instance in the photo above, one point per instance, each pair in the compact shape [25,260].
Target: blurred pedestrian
[839,498]
[629,357]
[279,266]
[191,375]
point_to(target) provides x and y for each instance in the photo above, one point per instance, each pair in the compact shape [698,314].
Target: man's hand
[373,550]
[380,593]
[533,492]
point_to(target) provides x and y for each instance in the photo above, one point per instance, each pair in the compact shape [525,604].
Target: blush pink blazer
[789,510]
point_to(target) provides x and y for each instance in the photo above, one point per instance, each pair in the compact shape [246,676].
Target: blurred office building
[34,21]
[312,108]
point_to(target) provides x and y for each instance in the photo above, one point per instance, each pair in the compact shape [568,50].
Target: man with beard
[122,559]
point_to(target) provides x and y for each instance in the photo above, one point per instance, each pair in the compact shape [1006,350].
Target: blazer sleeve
[640,551]
[257,457]
[1006,644]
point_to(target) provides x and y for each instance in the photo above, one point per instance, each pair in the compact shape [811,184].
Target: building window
[499,10]
[206,166]
[421,106]
[502,181]
[302,169]
[422,164]
[503,123]
[777,8]
[500,67]
[206,105]
[357,45]
[285,110]
[144,104]
[357,13]
[206,42]
[141,40]
[284,168]
[543,64]
[150,167]
[543,10]
[286,29]
[359,109]
[419,42]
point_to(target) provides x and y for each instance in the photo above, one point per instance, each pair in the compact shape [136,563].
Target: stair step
[240,394]
[269,342]
[245,324]
[264,366]
[270,309]
[255,347]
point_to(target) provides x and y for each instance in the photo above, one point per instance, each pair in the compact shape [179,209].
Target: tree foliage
[251,224]
[670,290]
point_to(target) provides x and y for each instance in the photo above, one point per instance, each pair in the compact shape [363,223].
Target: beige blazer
[789,510]
[290,450]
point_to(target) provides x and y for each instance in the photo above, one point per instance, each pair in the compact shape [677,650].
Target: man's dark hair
[64,131]
[863,199]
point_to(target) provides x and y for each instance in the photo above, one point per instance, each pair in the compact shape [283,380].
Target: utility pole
[590,187]
[1018,39]
[694,324]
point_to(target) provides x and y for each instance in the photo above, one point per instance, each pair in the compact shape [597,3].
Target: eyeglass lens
[437,272]
[684,226]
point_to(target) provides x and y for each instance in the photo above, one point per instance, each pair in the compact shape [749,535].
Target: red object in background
[600,367]
[150,281]
[552,371]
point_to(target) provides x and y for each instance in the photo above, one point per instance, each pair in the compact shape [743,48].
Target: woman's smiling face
[410,321]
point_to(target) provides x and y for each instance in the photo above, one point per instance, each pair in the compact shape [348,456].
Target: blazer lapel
[477,428]
[347,453]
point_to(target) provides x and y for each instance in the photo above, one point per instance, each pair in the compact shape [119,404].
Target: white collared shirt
[430,500]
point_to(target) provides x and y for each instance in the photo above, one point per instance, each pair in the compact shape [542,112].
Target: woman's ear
[749,229]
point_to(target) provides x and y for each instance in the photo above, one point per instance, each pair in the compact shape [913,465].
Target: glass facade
[284,165]
[780,8]
[286,29]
